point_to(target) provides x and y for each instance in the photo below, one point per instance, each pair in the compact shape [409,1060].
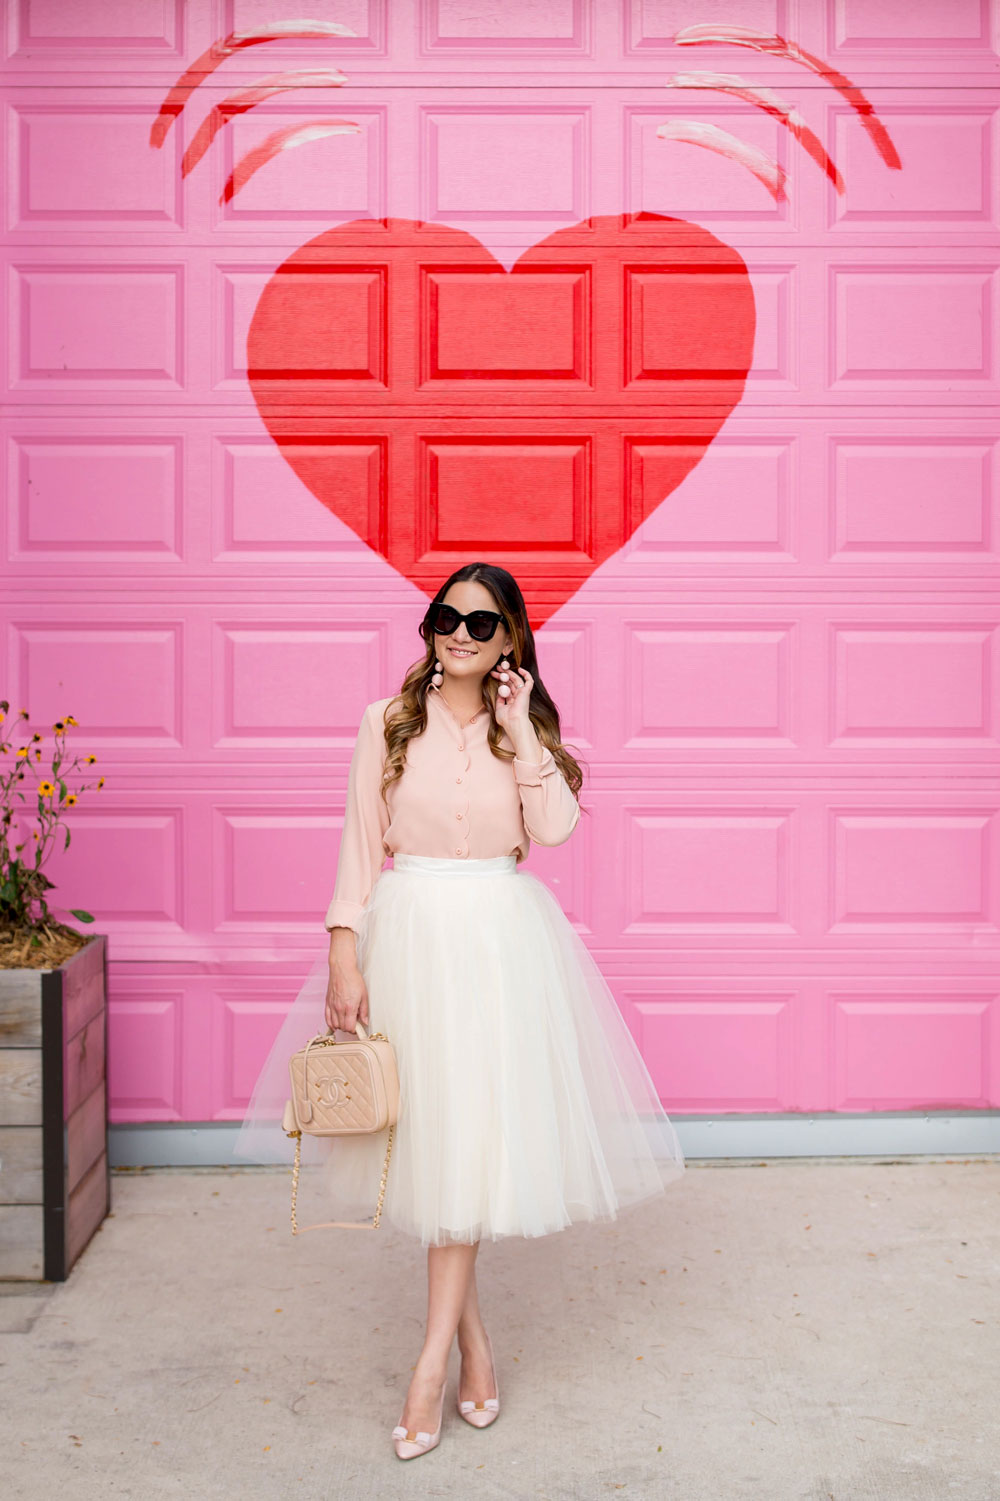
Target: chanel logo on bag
[331,1093]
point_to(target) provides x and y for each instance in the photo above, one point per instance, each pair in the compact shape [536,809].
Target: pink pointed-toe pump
[410,1442]
[482,1414]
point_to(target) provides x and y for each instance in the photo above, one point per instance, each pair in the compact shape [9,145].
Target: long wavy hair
[406,714]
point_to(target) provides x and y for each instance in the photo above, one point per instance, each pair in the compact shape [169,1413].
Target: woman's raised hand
[512,713]
[346,999]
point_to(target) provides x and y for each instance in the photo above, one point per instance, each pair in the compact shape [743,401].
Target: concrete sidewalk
[796,1330]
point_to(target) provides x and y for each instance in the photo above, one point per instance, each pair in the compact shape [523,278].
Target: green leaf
[66,845]
[83,916]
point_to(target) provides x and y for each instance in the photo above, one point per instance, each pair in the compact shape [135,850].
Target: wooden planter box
[55,1179]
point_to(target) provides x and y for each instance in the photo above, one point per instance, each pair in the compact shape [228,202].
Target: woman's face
[459,655]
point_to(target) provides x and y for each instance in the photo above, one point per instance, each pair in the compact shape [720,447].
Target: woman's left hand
[512,713]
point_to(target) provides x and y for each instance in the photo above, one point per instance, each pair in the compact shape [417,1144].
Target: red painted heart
[449,410]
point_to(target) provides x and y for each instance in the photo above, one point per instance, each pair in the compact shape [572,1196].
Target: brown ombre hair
[406,715]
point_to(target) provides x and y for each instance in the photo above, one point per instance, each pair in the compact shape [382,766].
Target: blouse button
[458,815]
[458,779]
[461,747]
[458,852]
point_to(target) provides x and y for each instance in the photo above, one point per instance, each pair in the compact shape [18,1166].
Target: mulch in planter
[39,948]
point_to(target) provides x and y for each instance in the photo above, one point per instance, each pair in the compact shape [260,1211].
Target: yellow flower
[24,714]
[34,833]
[90,760]
[38,755]
[58,725]
[22,752]
[70,719]
[100,781]
[70,799]
[45,788]
[36,737]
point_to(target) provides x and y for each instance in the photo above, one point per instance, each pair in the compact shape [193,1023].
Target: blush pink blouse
[455,799]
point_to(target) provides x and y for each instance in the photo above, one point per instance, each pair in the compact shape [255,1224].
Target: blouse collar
[481,713]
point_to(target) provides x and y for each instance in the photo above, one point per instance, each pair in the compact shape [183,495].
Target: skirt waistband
[437,865]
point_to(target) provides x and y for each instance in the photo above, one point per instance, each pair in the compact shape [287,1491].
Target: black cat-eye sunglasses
[444,620]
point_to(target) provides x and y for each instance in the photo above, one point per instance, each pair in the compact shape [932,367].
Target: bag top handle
[330,1035]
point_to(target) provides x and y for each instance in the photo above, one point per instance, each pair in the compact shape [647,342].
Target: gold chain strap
[381,1191]
[295,1178]
[298,1159]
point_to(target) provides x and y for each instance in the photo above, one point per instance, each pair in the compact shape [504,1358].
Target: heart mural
[447,409]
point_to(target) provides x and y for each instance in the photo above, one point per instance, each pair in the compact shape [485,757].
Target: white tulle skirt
[525,1105]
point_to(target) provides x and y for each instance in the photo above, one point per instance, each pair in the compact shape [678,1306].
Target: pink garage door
[710,363]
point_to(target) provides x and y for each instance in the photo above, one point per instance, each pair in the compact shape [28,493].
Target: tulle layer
[525,1105]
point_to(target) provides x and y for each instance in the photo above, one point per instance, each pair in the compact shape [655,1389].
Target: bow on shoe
[409,1435]
[410,1444]
[480,1414]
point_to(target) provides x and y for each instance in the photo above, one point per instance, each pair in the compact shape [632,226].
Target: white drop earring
[504,689]
[437,679]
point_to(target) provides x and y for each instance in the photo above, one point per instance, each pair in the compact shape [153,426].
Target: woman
[525,1105]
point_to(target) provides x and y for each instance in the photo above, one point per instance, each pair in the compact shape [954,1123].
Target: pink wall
[770,611]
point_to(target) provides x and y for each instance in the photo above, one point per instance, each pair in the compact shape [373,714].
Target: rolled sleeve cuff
[530,773]
[343,914]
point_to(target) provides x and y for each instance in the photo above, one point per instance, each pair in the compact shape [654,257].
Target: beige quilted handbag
[342,1088]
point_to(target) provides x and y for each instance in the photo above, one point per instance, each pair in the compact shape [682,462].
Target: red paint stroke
[247,99]
[282,140]
[200,69]
[771,104]
[709,33]
[699,133]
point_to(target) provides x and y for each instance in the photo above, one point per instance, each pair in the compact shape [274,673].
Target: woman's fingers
[360,1007]
[345,1007]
